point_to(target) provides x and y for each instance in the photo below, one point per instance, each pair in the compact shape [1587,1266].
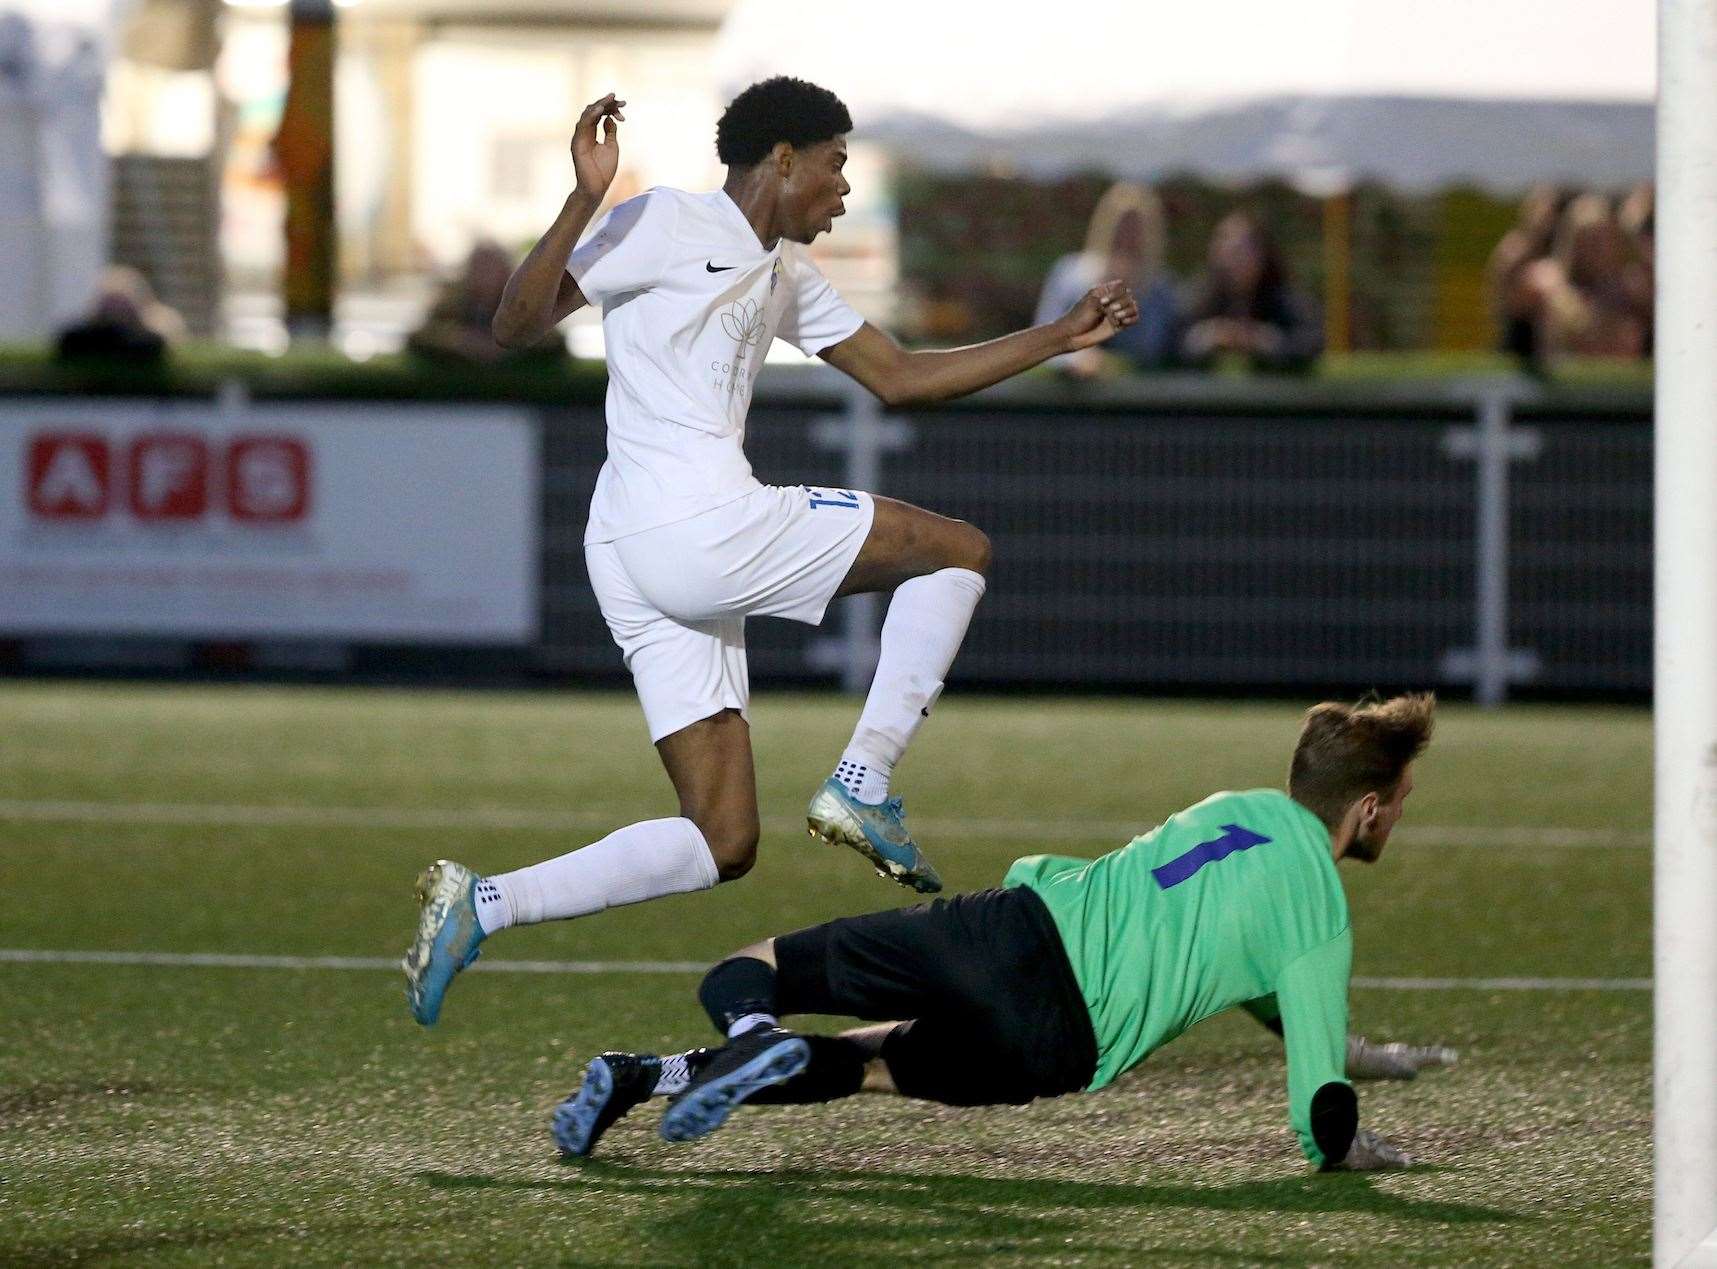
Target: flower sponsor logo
[743,321]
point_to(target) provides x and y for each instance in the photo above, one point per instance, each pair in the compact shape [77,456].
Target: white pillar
[1685,936]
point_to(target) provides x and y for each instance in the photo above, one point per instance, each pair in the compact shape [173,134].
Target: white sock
[632,864]
[740,1025]
[869,784]
[927,619]
[493,910]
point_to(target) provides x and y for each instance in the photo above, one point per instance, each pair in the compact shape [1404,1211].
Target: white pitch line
[1503,984]
[1519,837]
[231,960]
[227,960]
[497,819]
[214,813]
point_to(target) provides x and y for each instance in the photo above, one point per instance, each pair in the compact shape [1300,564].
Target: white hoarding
[373,523]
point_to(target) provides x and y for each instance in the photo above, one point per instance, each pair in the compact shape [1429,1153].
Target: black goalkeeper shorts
[992,1010]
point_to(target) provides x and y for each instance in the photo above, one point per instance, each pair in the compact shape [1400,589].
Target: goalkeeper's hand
[1369,1152]
[1368,1061]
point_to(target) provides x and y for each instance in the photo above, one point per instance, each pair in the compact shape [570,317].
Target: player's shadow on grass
[789,1209]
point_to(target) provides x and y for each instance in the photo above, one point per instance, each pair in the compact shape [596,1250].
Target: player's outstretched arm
[900,377]
[1367,1060]
[1396,1061]
[541,292]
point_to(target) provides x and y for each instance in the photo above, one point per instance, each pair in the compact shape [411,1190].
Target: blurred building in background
[1387,154]
[452,123]
[53,177]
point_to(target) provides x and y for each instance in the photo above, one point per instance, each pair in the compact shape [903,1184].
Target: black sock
[738,986]
[836,1070]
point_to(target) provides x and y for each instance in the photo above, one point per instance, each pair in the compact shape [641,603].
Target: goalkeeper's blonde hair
[1347,751]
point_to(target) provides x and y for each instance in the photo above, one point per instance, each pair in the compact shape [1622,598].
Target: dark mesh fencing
[1580,553]
[1217,551]
[1204,548]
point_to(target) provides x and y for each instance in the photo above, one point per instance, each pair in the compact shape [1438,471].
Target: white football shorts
[676,597]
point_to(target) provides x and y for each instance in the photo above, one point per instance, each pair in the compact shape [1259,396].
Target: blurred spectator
[1596,293]
[1638,216]
[126,323]
[1124,240]
[1515,284]
[457,327]
[1246,306]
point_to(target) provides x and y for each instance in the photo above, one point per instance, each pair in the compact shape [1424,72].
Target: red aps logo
[268,479]
[166,477]
[68,476]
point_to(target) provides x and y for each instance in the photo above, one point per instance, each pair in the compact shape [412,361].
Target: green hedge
[200,369]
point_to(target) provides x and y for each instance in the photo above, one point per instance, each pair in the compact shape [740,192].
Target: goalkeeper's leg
[994,1012]
[955,1066]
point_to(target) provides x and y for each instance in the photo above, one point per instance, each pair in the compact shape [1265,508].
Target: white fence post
[1490,665]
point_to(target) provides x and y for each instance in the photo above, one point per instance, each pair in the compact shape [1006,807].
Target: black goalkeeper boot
[613,1084]
[761,1058]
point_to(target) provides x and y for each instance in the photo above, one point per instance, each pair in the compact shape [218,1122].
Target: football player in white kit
[683,543]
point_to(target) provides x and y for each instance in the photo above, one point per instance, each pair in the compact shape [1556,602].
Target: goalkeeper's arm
[1346,1147]
[1367,1060]
[1345,1144]
[1311,1007]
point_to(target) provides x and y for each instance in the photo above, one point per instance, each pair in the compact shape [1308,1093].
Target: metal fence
[1485,535]
[1580,552]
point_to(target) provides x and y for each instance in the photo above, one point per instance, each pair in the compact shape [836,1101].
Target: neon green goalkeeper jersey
[1234,901]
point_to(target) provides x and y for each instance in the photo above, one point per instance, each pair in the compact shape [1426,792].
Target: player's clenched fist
[1103,311]
[596,146]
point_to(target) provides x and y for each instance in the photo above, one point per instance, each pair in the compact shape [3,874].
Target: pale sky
[996,63]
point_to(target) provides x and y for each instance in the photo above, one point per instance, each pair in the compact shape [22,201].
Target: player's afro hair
[774,110]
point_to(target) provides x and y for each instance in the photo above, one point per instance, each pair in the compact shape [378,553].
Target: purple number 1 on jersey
[1182,867]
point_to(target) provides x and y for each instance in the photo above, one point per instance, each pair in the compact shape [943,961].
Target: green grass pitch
[185,1114]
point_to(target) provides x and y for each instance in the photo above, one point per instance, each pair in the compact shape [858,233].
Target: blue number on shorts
[834,498]
[1181,867]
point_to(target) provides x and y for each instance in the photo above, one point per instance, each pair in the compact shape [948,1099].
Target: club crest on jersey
[774,275]
[743,320]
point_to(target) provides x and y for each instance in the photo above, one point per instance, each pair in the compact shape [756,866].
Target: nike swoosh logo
[714,268]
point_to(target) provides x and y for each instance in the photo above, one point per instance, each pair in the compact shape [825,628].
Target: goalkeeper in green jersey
[1075,970]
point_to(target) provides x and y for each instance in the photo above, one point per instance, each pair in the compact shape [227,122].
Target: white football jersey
[690,300]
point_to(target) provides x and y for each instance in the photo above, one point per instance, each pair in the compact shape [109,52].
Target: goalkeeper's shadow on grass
[954,1195]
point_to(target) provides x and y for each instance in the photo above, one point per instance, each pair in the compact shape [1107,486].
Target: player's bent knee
[735,868]
[980,551]
[965,546]
[734,850]
[731,836]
